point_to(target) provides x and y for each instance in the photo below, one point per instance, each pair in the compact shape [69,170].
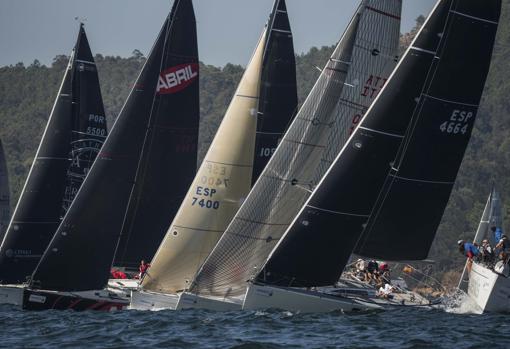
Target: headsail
[421,95]
[73,135]
[81,253]
[351,79]
[222,182]
[5,202]
[418,186]
[169,159]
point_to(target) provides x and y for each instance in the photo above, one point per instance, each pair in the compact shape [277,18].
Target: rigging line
[227,164]
[421,180]
[338,212]
[473,17]
[450,101]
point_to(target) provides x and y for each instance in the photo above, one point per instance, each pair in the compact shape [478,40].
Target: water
[396,328]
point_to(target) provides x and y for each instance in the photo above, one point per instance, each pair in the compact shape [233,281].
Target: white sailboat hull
[490,291]
[11,294]
[299,300]
[146,300]
[124,284]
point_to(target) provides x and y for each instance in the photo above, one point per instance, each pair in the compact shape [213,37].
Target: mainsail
[5,202]
[73,135]
[169,159]
[242,146]
[418,186]
[351,79]
[80,255]
[278,90]
[403,127]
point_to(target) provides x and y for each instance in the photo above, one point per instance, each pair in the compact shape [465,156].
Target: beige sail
[220,186]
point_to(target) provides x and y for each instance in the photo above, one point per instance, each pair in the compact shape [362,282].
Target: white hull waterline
[11,294]
[489,290]
[301,300]
[146,300]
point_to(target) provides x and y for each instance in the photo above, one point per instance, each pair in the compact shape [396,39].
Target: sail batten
[70,142]
[352,76]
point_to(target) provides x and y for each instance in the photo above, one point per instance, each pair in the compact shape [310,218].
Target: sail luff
[5,202]
[210,203]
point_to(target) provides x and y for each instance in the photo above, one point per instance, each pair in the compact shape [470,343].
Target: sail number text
[458,122]
[205,203]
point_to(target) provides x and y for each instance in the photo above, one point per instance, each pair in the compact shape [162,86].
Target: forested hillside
[27,94]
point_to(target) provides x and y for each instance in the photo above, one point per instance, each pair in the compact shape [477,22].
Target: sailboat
[261,108]
[489,289]
[397,169]
[74,270]
[5,201]
[351,79]
[73,136]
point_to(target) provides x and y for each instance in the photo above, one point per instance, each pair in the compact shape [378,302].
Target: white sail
[351,79]
[220,186]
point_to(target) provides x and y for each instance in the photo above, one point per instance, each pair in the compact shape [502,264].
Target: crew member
[143,269]
[469,250]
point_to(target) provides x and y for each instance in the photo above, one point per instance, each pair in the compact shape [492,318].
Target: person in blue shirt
[498,233]
[469,250]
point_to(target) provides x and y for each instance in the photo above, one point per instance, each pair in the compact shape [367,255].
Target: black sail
[81,253]
[76,121]
[278,90]
[89,128]
[5,201]
[417,189]
[402,128]
[169,159]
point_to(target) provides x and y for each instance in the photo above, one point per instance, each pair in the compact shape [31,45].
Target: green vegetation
[28,94]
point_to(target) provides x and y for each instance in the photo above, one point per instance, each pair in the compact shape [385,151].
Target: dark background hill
[27,94]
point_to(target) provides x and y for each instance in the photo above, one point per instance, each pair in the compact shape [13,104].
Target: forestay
[74,133]
[80,255]
[404,123]
[350,80]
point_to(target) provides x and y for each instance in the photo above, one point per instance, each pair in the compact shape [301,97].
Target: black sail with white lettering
[278,90]
[5,202]
[89,127]
[443,71]
[73,134]
[169,159]
[418,187]
[81,253]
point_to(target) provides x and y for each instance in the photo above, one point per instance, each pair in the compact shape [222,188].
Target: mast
[73,135]
[419,97]
[350,80]
[83,247]
[169,160]
[5,209]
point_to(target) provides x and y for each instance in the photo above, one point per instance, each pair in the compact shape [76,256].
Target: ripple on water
[398,328]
